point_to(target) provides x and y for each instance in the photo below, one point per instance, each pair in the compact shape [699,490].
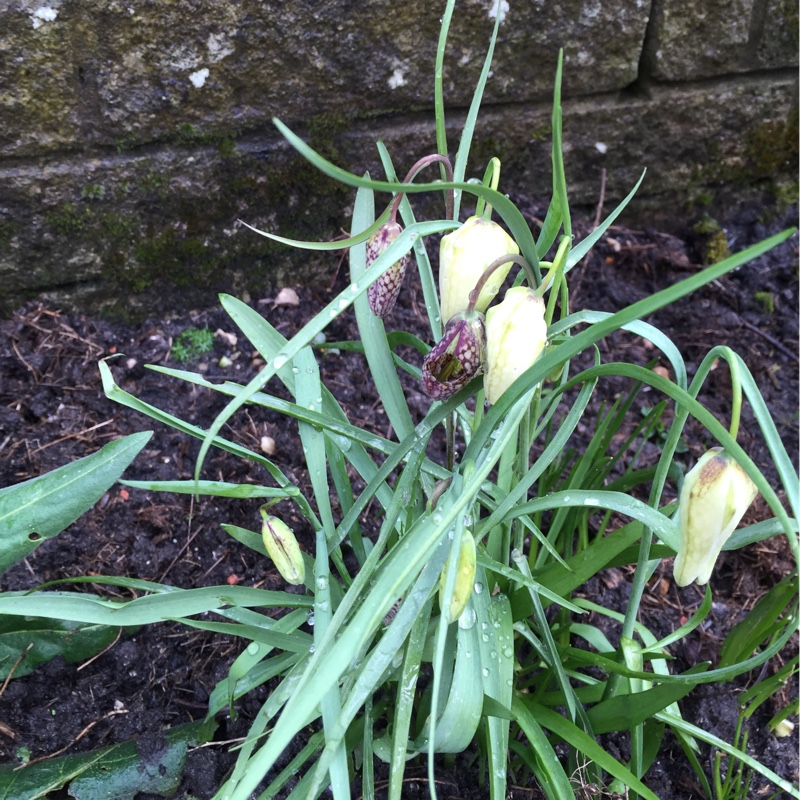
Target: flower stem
[434,158]
[496,264]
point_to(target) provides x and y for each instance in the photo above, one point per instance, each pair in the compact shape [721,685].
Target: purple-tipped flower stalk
[457,357]
[382,294]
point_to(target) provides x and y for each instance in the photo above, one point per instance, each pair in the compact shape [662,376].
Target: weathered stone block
[698,40]
[119,74]
[146,232]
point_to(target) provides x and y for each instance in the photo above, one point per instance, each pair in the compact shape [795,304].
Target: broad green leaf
[579,568]
[42,507]
[120,771]
[758,624]
[624,711]
[40,639]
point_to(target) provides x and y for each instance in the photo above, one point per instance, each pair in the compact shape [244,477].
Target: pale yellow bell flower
[715,495]
[516,334]
[464,256]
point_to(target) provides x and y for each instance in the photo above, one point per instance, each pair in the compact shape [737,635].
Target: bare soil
[52,411]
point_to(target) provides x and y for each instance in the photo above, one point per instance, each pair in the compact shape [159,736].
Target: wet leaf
[42,507]
[120,772]
[48,638]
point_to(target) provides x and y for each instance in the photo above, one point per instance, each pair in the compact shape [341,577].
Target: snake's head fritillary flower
[464,256]
[457,357]
[382,294]
[516,334]
[715,495]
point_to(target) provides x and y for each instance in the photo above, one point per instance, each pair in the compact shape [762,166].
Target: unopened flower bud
[457,357]
[464,256]
[516,334]
[465,578]
[715,495]
[382,294]
[282,548]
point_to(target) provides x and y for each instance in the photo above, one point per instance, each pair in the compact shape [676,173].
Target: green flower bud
[516,334]
[715,495]
[465,578]
[282,548]
[464,255]
[382,294]
[456,358]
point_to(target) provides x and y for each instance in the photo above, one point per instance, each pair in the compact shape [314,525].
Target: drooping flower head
[516,334]
[382,294]
[715,495]
[457,357]
[464,255]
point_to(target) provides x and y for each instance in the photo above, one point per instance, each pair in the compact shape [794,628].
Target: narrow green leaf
[214,488]
[584,744]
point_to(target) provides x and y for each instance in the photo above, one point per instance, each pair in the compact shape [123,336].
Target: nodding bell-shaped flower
[464,256]
[382,294]
[282,548]
[516,334]
[465,579]
[715,495]
[457,357]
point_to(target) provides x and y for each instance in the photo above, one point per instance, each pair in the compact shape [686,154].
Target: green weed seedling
[191,345]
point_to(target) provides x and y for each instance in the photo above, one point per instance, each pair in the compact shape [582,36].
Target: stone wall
[134,135]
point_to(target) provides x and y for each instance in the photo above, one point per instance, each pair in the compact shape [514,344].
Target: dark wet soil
[52,411]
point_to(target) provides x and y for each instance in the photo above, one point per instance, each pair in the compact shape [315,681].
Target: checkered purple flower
[382,294]
[457,357]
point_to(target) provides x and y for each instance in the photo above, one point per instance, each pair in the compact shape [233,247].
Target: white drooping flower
[715,495]
[464,256]
[516,334]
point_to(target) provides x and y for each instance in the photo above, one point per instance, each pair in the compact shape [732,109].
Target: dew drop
[322,583]
[280,360]
[253,648]
[478,588]
[467,619]
[485,672]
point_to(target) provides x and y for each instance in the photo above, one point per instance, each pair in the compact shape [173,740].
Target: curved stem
[434,158]
[496,264]
[736,396]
